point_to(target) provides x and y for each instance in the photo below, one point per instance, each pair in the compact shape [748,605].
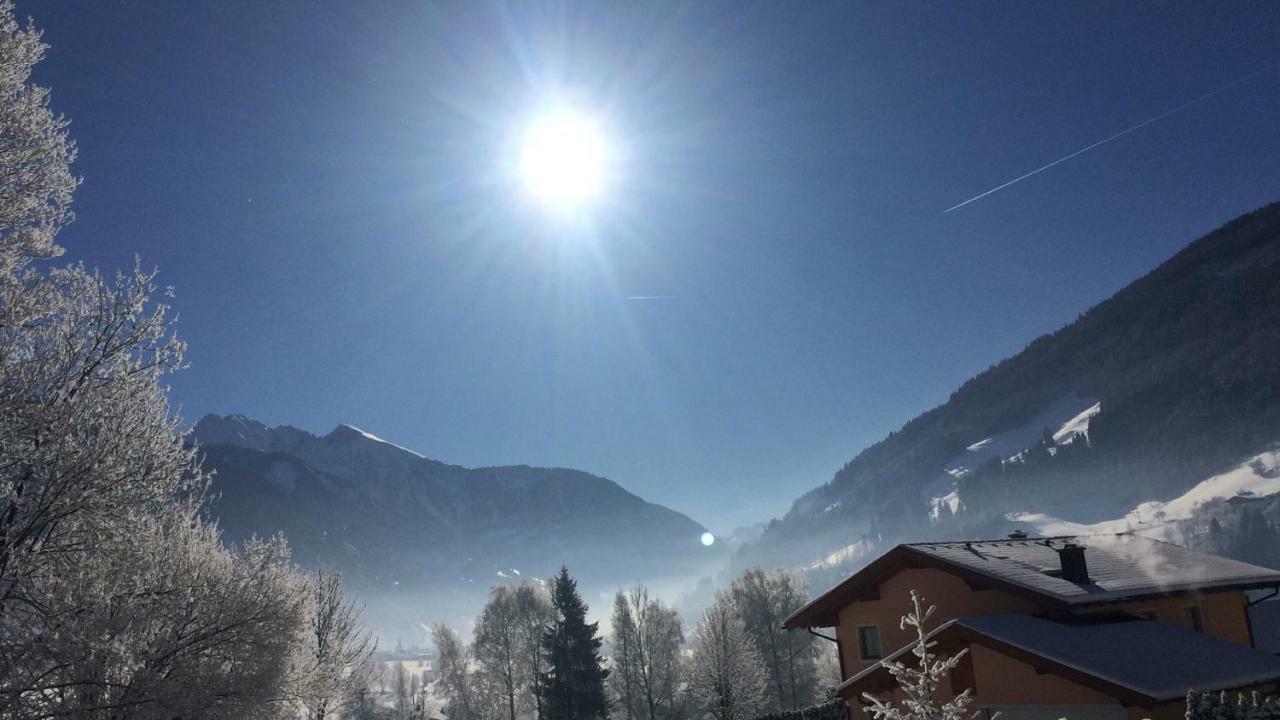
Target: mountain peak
[344,431]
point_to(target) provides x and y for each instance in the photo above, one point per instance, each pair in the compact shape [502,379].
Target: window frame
[862,644]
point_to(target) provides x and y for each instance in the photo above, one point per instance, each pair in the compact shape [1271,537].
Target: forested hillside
[1183,366]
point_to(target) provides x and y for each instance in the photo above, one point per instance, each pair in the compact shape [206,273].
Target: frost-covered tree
[827,669]
[498,651]
[508,647]
[919,682]
[1221,706]
[727,680]
[534,614]
[764,600]
[403,696]
[170,624]
[36,153]
[332,662]
[117,599]
[622,679]
[647,641]
[454,681]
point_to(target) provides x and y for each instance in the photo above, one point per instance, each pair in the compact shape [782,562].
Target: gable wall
[949,593]
[1225,614]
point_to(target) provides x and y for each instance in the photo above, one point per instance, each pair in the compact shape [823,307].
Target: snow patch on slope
[848,552]
[375,438]
[1259,475]
[1065,414]
[1070,415]
[1078,425]
[951,500]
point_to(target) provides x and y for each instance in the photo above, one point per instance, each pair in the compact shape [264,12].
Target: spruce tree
[573,687]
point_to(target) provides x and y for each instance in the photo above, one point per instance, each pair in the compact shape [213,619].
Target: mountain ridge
[422,540]
[1181,360]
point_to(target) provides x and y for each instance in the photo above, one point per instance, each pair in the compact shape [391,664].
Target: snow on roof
[1120,566]
[1152,660]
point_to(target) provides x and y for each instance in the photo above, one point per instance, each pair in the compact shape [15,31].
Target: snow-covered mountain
[423,540]
[1156,401]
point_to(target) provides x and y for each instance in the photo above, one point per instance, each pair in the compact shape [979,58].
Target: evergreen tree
[573,686]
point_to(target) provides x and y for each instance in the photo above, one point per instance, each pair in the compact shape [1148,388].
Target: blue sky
[324,184]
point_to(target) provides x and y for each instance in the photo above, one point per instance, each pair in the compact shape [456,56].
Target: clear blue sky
[319,181]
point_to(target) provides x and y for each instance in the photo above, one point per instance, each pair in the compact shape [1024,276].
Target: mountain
[422,540]
[1172,380]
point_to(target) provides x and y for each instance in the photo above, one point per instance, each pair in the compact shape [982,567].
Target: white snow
[1078,425]
[1066,413]
[1070,414]
[375,438]
[847,552]
[1154,518]
[951,500]
[831,507]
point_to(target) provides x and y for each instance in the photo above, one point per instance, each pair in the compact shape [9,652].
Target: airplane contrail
[651,297]
[1118,135]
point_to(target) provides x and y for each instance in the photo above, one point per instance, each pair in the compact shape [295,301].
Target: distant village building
[1101,627]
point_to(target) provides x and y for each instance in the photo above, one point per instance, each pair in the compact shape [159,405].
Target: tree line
[534,657]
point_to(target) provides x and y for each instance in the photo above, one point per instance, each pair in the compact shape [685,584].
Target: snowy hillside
[1259,476]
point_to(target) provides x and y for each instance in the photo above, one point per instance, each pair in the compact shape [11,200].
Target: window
[1193,618]
[869,642]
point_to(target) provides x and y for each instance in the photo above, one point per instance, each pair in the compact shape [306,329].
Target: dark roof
[1134,660]
[1121,567]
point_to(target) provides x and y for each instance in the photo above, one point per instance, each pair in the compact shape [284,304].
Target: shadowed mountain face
[1173,379]
[422,541]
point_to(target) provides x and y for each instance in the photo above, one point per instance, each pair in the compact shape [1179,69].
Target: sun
[563,158]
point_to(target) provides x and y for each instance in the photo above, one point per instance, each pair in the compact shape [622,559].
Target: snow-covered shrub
[1221,706]
[833,710]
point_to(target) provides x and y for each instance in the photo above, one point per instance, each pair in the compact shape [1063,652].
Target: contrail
[1118,135]
[651,297]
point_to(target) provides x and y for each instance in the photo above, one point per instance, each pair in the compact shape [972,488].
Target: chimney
[1074,567]
[1017,535]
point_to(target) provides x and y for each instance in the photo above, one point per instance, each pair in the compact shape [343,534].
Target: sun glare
[562,159]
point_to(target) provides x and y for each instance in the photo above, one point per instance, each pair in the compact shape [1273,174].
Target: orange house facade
[1104,627]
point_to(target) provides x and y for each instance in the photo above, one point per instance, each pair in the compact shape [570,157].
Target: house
[1098,627]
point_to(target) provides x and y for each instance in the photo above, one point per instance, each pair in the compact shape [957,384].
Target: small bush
[1220,706]
[833,710]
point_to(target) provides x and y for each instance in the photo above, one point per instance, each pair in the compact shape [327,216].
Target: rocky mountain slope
[1174,379]
[421,540]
